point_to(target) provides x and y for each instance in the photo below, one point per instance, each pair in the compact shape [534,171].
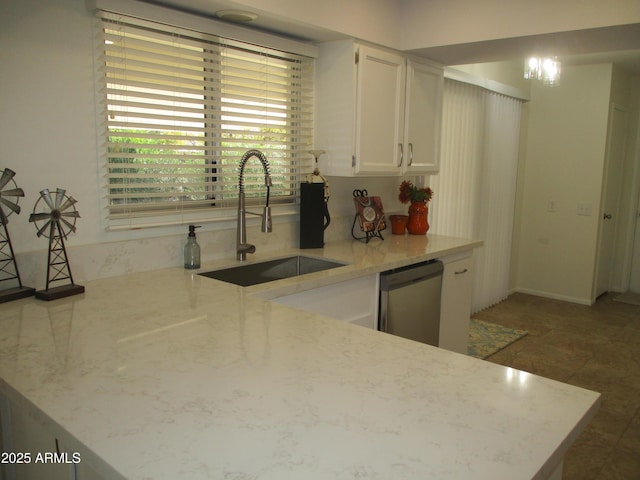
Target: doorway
[610,221]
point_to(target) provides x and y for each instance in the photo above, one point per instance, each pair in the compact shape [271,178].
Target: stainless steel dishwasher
[410,301]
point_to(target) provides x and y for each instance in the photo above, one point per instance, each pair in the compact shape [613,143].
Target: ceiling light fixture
[546,69]
[237,16]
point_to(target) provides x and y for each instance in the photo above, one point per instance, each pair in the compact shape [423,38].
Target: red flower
[410,193]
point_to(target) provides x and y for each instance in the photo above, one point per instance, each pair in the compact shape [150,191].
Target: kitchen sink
[249,274]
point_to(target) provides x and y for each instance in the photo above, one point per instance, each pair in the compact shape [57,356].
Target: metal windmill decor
[9,273]
[54,218]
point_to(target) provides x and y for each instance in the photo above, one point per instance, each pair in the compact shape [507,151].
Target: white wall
[563,163]
[416,24]
[465,21]
[48,137]
[509,72]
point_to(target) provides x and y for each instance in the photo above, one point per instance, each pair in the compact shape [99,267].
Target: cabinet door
[423,112]
[455,307]
[32,443]
[379,111]
[354,301]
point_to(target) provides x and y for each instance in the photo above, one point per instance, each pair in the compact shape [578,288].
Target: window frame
[297,161]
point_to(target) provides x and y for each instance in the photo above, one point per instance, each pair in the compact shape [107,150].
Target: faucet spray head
[266,211]
[266,219]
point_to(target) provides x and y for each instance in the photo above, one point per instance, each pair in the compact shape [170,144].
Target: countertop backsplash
[109,259]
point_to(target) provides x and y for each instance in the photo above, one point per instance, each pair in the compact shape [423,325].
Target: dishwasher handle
[399,277]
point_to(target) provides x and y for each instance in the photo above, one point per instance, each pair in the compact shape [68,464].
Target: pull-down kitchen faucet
[242,247]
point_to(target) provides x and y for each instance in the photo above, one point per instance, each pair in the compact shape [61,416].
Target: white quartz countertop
[171,375]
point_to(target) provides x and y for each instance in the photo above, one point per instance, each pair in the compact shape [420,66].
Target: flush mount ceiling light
[238,16]
[546,69]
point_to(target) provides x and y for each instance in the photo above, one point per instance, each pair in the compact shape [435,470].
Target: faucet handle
[246,248]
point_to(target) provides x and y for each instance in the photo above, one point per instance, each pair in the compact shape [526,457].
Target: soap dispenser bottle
[192,249]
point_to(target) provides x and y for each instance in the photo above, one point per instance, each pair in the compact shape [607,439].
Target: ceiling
[618,44]
[615,44]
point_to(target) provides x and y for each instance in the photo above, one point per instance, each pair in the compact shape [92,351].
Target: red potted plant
[418,210]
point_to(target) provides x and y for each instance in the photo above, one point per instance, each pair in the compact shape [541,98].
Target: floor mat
[485,338]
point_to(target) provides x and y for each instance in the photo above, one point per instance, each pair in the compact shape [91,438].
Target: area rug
[485,339]
[628,297]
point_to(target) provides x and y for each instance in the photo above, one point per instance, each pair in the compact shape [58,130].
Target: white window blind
[180,109]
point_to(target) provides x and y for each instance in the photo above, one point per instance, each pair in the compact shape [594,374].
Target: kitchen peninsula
[168,374]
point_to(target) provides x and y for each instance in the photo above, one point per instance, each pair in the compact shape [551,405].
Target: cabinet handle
[401,154]
[410,154]
[460,272]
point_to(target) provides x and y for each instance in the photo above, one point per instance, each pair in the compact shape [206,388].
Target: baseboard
[553,296]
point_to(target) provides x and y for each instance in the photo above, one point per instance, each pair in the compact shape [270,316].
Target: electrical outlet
[584,209]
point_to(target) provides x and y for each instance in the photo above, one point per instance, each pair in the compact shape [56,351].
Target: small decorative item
[398,224]
[370,213]
[10,193]
[54,219]
[418,210]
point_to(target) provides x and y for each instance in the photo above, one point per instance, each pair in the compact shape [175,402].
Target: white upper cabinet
[423,118]
[377,113]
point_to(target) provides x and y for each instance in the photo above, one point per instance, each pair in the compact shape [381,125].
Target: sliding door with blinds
[181,108]
[475,190]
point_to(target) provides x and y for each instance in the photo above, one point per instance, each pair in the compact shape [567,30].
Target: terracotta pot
[418,224]
[398,224]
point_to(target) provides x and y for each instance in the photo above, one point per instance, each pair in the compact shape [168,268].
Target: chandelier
[546,69]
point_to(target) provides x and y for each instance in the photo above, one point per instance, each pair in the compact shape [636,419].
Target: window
[180,110]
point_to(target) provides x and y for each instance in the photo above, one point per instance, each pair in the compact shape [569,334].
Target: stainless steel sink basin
[254,273]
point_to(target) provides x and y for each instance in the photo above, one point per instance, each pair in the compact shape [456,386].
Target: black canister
[314,215]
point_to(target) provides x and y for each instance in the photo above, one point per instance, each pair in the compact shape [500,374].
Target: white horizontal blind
[180,110]
[475,188]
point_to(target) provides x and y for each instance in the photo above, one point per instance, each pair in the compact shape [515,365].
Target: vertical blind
[476,186]
[180,108]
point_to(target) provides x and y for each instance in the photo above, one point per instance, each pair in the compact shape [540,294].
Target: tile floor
[596,347]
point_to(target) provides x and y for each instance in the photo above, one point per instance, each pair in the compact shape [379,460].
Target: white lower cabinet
[28,447]
[455,308]
[32,451]
[354,301]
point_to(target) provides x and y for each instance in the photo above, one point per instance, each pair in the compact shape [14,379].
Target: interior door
[616,147]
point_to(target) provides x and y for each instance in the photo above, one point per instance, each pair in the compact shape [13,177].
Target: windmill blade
[43,228]
[3,218]
[73,214]
[14,207]
[35,217]
[68,203]
[14,192]
[71,226]
[46,196]
[7,175]
[59,196]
